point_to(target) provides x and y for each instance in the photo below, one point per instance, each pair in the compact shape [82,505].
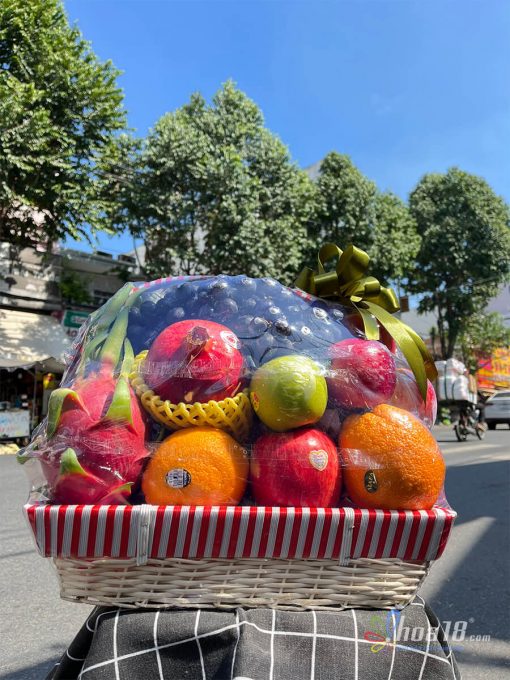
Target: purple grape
[175,314]
[287,294]
[249,362]
[226,307]
[135,317]
[295,311]
[261,346]
[277,351]
[337,314]
[148,311]
[207,312]
[282,326]
[320,314]
[219,289]
[249,305]
[259,325]
[136,335]
[184,292]
[248,284]
[163,306]
[247,326]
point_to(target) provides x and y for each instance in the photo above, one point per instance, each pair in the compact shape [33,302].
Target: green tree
[349,209]
[60,108]
[214,191]
[396,241]
[465,249]
[481,335]
[344,205]
[73,287]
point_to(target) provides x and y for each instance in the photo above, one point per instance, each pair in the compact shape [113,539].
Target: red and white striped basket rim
[149,531]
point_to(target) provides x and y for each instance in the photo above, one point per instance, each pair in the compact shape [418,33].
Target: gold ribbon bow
[349,285]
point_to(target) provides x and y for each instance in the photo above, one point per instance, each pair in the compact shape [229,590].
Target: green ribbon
[349,285]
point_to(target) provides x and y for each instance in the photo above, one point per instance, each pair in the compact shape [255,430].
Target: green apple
[289,392]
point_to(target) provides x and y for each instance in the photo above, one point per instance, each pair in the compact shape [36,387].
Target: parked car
[497,409]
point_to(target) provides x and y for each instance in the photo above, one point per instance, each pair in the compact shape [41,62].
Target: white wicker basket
[226,584]
[225,557]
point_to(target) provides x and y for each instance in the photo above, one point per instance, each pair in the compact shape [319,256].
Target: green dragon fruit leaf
[113,344]
[106,314]
[123,299]
[89,350]
[56,404]
[129,358]
[118,493]
[120,406]
[22,457]
[70,465]
[93,344]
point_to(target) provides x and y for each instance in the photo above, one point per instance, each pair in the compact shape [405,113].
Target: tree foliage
[481,335]
[396,241]
[465,249]
[73,287]
[350,209]
[345,204]
[60,108]
[214,191]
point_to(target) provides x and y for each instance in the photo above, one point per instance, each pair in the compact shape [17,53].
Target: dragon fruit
[76,485]
[95,431]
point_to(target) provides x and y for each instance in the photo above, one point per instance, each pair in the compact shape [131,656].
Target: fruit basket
[224,557]
[225,441]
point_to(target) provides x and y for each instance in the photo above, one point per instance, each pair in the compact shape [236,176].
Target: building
[44,299]
[501,304]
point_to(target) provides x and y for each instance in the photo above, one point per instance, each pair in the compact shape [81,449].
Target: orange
[391,460]
[196,466]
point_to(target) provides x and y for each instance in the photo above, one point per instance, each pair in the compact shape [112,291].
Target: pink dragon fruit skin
[105,429]
[77,486]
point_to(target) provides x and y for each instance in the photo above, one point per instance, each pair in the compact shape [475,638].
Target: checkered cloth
[259,644]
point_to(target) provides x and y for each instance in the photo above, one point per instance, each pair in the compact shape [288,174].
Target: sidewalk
[8,448]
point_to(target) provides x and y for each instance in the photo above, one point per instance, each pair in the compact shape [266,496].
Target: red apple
[298,468]
[194,360]
[407,396]
[362,373]
[355,322]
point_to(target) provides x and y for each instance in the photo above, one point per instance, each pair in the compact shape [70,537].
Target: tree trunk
[453,330]
[441,328]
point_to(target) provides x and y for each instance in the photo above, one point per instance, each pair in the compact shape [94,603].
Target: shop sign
[72,321]
[14,424]
[494,373]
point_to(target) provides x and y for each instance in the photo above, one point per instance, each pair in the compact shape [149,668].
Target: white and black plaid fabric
[259,644]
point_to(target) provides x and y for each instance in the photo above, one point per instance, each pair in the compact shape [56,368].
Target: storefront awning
[27,339]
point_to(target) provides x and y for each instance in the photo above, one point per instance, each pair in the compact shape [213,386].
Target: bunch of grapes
[270,319]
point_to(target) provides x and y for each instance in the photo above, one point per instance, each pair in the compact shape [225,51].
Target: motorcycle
[469,423]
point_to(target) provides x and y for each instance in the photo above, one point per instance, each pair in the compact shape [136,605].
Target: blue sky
[403,87]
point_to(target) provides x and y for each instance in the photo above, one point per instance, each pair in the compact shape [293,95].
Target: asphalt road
[468,587]
[470,583]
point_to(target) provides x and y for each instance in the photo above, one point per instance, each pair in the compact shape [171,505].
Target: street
[468,587]
[470,583]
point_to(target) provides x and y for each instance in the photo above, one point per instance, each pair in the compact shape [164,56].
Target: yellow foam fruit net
[234,414]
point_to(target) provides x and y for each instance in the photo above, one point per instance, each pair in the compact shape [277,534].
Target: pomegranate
[194,360]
